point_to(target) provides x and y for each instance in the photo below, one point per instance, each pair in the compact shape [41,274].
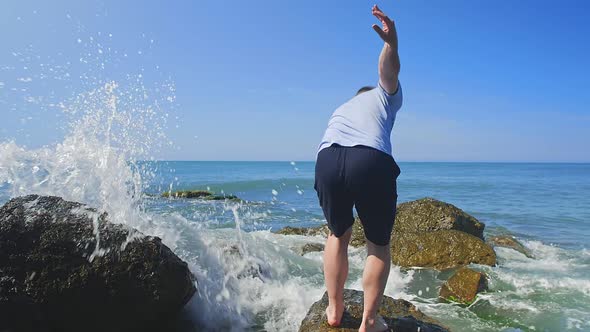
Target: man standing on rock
[355,168]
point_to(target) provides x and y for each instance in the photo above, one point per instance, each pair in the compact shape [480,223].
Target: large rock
[440,250]
[429,214]
[508,241]
[400,315]
[464,286]
[54,277]
[426,233]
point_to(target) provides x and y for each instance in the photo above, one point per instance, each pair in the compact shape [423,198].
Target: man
[355,168]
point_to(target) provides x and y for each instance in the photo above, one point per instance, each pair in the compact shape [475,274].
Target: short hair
[364,89]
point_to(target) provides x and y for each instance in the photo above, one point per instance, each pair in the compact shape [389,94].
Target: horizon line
[401,161]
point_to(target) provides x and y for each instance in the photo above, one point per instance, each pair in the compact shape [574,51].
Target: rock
[464,286]
[244,266]
[305,231]
[400,315]
[357,239]
[440,250]
[358,234]
[202,194]
[187,194]
[428,215]
[508,241]
[309,247]
[222,198]
[53,277]
[426,233]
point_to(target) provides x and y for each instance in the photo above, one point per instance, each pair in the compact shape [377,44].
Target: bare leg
[335,274]
[374,279]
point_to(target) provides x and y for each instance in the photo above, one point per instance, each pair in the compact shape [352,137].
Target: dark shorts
[362,177]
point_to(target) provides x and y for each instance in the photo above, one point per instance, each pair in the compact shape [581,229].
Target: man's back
[367,119]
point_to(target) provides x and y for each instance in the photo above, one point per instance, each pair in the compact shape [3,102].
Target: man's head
[364,89]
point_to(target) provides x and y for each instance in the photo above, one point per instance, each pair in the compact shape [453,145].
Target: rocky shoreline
[65,267]
[428,234]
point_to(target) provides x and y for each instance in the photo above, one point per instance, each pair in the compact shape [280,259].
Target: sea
[545,206]
[106,156]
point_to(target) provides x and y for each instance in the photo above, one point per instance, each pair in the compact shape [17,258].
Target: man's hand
[389,65]
[388,32]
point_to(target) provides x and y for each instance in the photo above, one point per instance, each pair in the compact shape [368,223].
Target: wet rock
[305,231]
[429,214]
[244,266]
[440,250]
[357,239]
[400,315]
[309,247]
[508,241]
[201,194]
[463,286]
[426,233]
[54,277]
[187,194]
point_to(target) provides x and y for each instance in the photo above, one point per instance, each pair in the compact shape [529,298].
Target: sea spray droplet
[300,192]
[274,192]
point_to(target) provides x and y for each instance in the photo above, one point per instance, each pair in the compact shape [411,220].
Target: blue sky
[258,80]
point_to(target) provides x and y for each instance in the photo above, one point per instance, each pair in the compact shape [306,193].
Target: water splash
[112,129]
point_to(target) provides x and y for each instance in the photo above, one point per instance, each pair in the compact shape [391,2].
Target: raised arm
[389,65]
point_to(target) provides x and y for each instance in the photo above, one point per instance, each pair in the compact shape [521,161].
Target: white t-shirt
[367,119]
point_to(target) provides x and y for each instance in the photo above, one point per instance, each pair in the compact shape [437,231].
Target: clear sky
[258,80]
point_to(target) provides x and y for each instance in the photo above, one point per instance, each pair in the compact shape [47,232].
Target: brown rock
[440,250]
[358,234]
[400,315]
[306,231]
[508,241]
[428,215]
[464,286]
[427,233]
[309,247]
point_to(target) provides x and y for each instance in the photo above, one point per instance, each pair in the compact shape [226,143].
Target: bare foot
[334,315]
[374,325]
